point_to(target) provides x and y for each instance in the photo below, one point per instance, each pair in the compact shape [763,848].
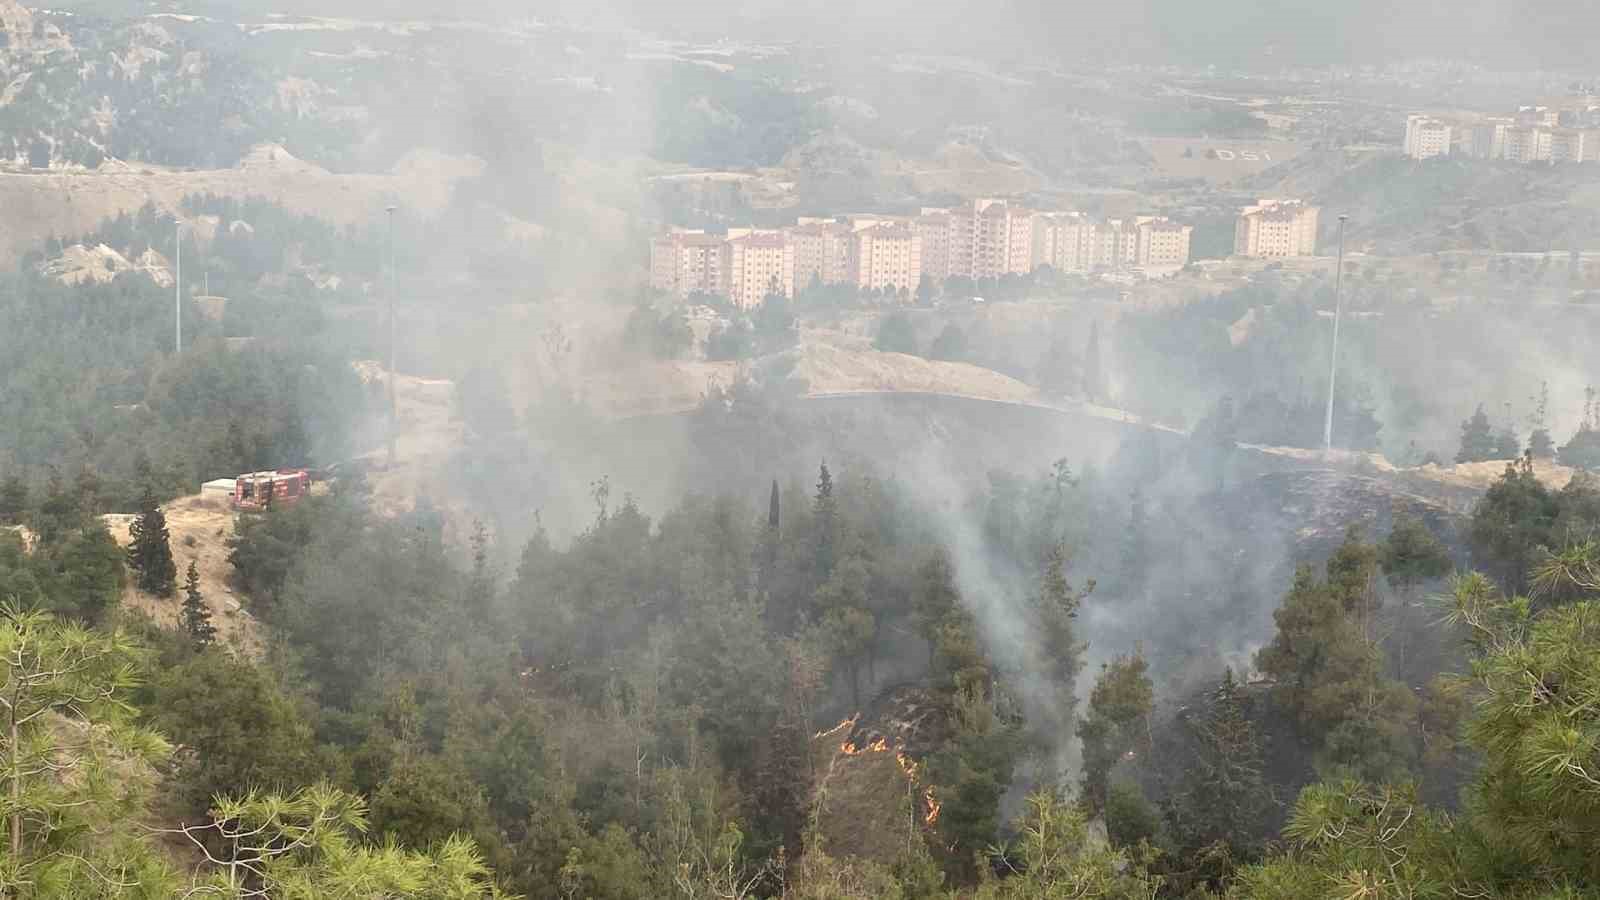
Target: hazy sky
[1520,33]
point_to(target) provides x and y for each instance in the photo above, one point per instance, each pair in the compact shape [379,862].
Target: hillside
[42,204]
[1403,207]
[200,528]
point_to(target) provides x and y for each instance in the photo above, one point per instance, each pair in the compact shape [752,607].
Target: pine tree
[150,550]
[1119,710]
[1056,645]
[1583,451]
[1094,382]
[196,616]
[1412,554]
[1219,813]
[1477,439]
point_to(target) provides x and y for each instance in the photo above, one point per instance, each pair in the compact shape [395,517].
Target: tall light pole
[1333,362]
[177,290]
[394,409]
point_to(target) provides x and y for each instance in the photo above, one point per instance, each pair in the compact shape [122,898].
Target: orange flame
[881,745]
[846,723]
[878,746]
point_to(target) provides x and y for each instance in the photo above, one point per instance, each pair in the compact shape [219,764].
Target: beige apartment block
[937,230]
[1062,241]
[821,252]
[759,263]
[1571,145]
[1527,144]
[1427,137]
[684,262]
[1162,243]
[1276,228]
[887,255]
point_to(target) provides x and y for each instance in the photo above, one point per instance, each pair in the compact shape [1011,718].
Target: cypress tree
[196,617]
[825,510]
[150,550]
[769,543]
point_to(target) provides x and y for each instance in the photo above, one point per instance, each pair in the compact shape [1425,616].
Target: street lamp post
[177,290]
[394,409]
[1333,362]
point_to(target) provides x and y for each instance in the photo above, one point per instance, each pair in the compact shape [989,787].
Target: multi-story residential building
[1570,145]
[1484,139]
[1527,143]
[1062,240]
[1072,242]
[991,232]
[821,252]
[1001,241]
[1538,116]
[1276,228]
[1019,241]
[983,239]
[1162,243]
[886,255]
[759,263]
[1426,137]
[684,262]
[1115,244]
[937,229]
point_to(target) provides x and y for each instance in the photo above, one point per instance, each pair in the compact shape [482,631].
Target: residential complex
[1532,134]
[1427,137]
[985,238]
[1276,228]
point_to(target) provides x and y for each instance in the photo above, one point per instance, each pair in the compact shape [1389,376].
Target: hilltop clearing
[41,204]
[200,529]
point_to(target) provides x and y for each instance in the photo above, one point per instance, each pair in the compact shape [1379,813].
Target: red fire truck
[264,490]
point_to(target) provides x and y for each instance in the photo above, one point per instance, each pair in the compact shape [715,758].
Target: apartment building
[1161,243]
[1571,145]
[1485,139]
[1526,144]
[821,252]
[986,238]
[1001,240]
[1426,137]
[886,255]
[1062,241]
[759,263]
[1533,134]
[683,262]
[1276,228]
[937,229]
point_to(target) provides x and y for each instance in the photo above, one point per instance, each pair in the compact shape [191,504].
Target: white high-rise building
[1426,137]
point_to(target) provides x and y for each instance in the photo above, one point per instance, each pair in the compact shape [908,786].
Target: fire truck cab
[264,490]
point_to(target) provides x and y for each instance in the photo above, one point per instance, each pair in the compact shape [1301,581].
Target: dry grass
[39,205]
[200,528]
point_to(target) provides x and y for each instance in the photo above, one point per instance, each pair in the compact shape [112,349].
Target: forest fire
[878,746]
[847,723]
[881,744]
